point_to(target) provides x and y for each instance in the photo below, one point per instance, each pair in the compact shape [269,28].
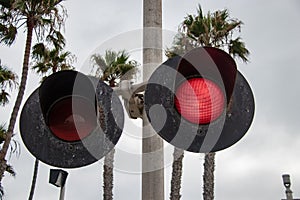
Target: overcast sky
[252,168]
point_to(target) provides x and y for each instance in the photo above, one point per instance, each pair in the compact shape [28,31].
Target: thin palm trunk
[34,178]
[208,176]
[176,174]
[111,68]
[108,175]
[18,102]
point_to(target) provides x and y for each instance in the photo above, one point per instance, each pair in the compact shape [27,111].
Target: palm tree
[34,178]
[112,67]
[9,168]
[47,60]
[41,17]
[218,30]
[108,175]
[176,174]
[44,17]
[14,149]
[7,80]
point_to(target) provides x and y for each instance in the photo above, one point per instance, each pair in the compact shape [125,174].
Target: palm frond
[57,39]
[181,45]
[41,68]
[110,57]
[4,99]
[8,79]
[6,3]
[214,29]
[199,11]
[113,66]
[14,148]
[99,64]
[39,51]
[10,170]
[237,49]
[46,60]
[1,192]
[8,34]
[2,133]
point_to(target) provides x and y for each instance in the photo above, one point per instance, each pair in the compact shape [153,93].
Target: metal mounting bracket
[133,96]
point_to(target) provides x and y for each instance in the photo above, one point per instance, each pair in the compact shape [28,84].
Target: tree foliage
[45,18]
[47,60]
[113,66]
[215,29]
[8,81]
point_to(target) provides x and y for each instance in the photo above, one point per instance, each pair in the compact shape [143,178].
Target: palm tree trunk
[108,175]
[176,174]
[34,177]
[18,102]
[208,177]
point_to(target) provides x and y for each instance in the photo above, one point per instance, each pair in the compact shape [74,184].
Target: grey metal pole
[289,194]
[287,184]
[153,157]
[62,192]
[58,177]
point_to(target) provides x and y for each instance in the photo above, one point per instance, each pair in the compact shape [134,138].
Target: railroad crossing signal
[71,120]
[199,102]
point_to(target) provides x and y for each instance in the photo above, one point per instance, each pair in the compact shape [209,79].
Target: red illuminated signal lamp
[70,124]
[199,102]
[71,120]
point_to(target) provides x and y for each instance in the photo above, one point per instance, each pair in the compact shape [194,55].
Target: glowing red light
[199,100]
[72,119]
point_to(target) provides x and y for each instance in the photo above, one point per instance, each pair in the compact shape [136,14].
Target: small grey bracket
[133,96]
